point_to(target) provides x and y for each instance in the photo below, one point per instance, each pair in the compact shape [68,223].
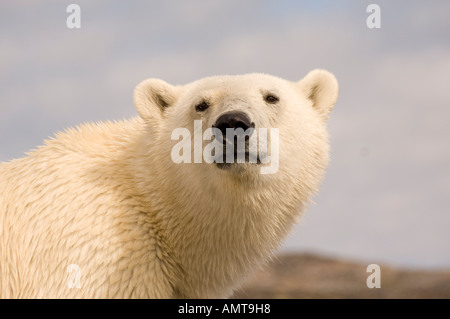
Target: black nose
[233,120]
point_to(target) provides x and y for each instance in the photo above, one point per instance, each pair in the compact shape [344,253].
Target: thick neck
[216,232]
[220,235]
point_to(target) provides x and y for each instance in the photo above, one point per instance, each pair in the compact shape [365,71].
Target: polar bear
[104,210]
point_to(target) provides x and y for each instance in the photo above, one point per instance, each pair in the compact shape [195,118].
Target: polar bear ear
[321,87]
[152,97]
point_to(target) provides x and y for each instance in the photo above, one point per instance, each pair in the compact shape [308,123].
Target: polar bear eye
[201,107]
[271,99]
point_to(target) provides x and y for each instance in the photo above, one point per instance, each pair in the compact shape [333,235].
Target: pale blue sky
[385,198]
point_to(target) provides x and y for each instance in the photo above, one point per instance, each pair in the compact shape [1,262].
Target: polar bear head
[283,125]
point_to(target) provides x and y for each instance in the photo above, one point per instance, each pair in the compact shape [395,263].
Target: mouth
[238,160]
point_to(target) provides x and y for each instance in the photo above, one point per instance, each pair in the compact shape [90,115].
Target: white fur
[108,198]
